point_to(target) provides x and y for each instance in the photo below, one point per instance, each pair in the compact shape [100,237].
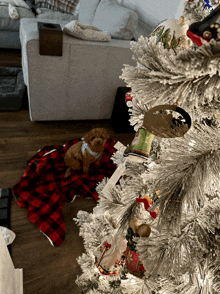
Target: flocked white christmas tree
[158,229]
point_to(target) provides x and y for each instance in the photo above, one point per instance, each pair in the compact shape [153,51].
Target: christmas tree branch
[159,77]
[187,171]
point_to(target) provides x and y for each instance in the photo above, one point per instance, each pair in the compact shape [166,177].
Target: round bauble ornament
[167,121]
[172,33]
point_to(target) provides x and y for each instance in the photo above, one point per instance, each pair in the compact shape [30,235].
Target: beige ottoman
[81,84]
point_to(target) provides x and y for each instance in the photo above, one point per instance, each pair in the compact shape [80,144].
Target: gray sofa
[9,28]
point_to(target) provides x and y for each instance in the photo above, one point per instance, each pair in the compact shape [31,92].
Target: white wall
[180,9]
[157,10]
[152,12]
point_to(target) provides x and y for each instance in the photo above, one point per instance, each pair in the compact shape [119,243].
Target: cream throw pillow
[116,20]
[87,11]
[85,32]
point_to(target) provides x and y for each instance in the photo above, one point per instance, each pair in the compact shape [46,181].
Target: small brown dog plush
[90,149]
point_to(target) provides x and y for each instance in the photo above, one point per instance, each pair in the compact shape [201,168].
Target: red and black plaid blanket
[44,190]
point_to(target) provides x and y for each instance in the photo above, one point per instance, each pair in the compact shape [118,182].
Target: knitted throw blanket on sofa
[65,6]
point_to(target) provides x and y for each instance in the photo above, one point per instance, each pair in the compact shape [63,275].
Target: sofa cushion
[47,13]
[65,6]
[9,24]
[87,11]
[117,21]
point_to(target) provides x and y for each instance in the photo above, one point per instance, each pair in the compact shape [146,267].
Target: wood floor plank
[9,178]
[15,161]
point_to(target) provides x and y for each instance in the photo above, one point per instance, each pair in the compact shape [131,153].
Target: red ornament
[110,262]
[128,97]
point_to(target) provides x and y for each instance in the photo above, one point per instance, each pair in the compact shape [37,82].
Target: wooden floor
[46,269]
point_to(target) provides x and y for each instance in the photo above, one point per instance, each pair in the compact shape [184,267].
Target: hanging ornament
[111,262]
[207,5]
[141,144]
[128,99]
[132,260]
[207,29]
[137,152]
[172,33]
[161,121]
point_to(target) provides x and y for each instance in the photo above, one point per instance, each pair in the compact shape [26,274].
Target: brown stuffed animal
[90,149]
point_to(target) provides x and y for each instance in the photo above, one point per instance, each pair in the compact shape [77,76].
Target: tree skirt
[44,190]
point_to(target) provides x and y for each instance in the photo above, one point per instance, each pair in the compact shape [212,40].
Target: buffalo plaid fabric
[44,190]
[65,6]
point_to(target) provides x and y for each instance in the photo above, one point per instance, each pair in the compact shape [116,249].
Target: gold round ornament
[167,121]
